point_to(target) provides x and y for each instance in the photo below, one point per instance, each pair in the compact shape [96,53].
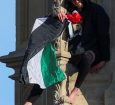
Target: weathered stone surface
[97,89]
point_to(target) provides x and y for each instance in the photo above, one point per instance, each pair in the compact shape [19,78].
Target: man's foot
[28,103]
[72,96]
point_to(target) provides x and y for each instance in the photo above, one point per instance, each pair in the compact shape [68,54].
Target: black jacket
[95,33]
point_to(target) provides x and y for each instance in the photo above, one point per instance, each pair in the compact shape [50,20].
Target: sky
[7,44]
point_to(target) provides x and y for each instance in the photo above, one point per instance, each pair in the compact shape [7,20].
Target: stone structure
[96,90]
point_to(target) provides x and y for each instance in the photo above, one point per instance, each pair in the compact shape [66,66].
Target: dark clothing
[95,30]
[83,63]
[34,94]
[94,37]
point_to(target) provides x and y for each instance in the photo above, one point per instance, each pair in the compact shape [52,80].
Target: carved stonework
[97,89]
[63,56]
[65,87]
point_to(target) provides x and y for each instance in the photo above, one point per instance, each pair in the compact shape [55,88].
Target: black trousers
[35,93]
[82,62]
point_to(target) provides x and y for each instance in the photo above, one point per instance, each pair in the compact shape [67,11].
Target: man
[94,41]
[92,50]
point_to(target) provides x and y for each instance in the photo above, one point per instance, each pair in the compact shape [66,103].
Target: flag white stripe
[34,70]
[34,64]
[38,22]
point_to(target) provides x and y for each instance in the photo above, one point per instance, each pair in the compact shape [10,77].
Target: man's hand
[96,68]
[62,14]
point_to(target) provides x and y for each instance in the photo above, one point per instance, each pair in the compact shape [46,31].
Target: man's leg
[84,66]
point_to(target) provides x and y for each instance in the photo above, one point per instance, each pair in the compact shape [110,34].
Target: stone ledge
[13,60]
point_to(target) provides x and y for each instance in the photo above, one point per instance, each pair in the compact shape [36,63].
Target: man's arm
[103,36]
[103,25]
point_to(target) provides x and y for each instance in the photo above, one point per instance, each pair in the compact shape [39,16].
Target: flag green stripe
[49,66]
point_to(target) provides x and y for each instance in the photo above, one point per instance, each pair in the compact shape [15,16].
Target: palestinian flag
[40,64]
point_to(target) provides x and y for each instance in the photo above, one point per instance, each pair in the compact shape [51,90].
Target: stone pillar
[65,87]
[21,23]
[63,57]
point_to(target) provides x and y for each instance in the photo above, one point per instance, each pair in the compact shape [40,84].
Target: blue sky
[7,44]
